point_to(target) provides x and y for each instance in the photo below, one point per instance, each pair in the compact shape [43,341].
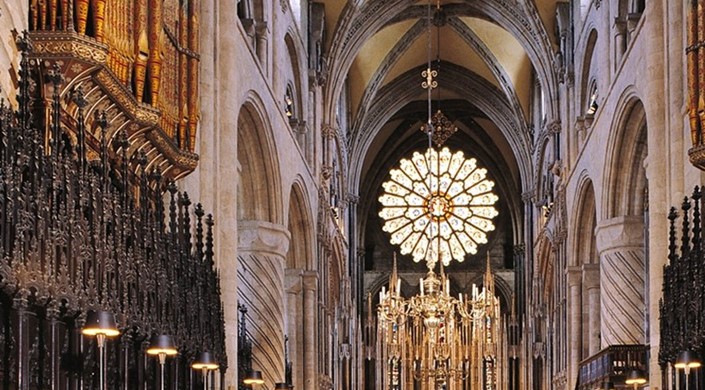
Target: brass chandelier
[438,206]
[436,341]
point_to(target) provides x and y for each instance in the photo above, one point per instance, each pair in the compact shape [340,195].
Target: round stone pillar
[574,275]
[310,315]
[620,244]
[262,248]
[591,283]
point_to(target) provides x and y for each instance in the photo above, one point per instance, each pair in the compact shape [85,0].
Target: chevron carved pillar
[620,244]
[262,248]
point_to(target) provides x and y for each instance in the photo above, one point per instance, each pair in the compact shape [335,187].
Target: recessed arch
[302,228]
[625,176]
[259,176]
[585,221]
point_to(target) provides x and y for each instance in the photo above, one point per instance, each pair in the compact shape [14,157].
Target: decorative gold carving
[144,55]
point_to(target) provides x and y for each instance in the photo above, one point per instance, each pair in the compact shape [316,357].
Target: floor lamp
[162,345]
[100,324]
[687,360]
[205,362]
[635,378]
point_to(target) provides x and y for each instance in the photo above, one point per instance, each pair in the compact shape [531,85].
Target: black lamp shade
[162,344]
[100,322]
[253,377]
[205,361]
[688,359]
[635,377]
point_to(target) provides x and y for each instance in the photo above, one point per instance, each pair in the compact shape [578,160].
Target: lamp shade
[253,377]
[162,344]
[688,359]
[205,361]
[100,322]
[635,377]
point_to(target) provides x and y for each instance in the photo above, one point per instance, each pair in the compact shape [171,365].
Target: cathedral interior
[352,194]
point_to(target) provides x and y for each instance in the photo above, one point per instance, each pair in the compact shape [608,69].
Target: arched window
[592,105]
[289,106]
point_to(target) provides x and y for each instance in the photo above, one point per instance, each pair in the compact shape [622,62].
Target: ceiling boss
[438,206]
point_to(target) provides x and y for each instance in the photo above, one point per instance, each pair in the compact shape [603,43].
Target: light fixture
[253,377]
[438,205]
[100,324]
[635,378]
[687,360]
[282,385]
[205,362]
[435,338]
[162,346]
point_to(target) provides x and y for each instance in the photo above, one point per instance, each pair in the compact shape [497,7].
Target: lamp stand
[100,338]
[205,378]
[162,362]
[687,373]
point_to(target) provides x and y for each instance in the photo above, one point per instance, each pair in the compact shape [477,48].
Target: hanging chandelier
[436,341]
[438,206]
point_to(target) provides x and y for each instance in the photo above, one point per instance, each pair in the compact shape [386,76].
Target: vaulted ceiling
[491,54]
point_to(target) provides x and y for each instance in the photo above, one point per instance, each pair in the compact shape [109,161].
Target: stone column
[620,244]
[261,36]
[262,249]
[620,40]
[574,275]
[591,282]
[310,287]
[294,302]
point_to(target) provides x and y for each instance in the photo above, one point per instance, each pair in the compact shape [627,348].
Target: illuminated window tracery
[438,206]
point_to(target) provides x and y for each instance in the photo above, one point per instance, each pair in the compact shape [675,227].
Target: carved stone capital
[619,233]
[293,282]
[309,280]
[575,275]
[553,127]
[263,237]
[353,198]
[591,276]
[328,131]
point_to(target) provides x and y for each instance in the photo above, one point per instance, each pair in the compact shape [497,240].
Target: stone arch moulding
[470,86]
[585,73]
[584,220]
[357,24]
[298,88]
[625,176]
[260,179]
[302,228]
[544,264]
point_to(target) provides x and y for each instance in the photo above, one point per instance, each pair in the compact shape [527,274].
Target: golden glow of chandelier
[438,205]
[436,341]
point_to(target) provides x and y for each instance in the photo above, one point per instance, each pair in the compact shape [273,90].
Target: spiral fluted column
[262,247]
[620,244]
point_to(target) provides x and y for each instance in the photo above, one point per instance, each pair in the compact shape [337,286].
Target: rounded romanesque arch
[259,168]
[263,241]
[621,231]
[302,228]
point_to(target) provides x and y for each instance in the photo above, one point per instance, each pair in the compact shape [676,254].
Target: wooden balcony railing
[612,364]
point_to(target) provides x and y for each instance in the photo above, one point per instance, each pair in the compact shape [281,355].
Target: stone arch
[302,228]
[293,56]
[625,176]
[586,272]
[358,23]
[588,77]
[621,232]
[585,220]
[260,182]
